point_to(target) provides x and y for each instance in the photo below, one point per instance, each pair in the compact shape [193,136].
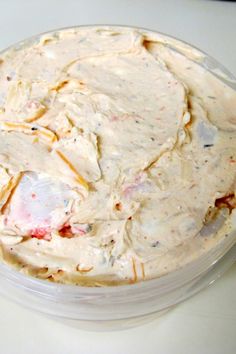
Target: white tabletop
[206,323]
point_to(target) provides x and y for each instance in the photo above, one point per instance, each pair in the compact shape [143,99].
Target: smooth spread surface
[115,154]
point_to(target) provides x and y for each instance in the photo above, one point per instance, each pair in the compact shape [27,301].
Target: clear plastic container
[117,307]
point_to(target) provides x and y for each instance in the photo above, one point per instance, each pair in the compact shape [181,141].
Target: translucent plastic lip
[166,282]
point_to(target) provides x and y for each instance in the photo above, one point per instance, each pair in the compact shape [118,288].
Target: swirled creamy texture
[117,156]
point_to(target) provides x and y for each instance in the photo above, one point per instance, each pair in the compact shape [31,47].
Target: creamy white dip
[117,156]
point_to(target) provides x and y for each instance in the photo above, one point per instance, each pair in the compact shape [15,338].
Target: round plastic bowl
[117,307]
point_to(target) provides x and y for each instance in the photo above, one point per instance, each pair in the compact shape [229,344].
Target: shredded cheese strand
[30,129]
[79,178]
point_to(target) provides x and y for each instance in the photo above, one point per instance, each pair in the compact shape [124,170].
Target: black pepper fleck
[155,244]
[208,145]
